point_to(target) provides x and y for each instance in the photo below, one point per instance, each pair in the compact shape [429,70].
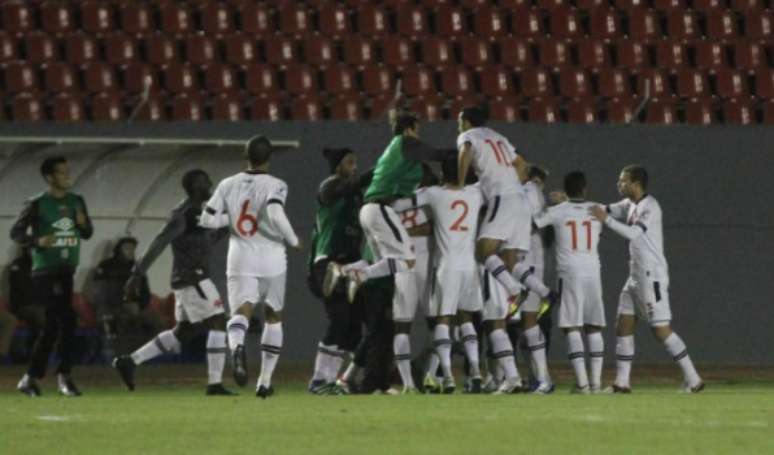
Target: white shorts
[646,298]
[495,298]
[384,232]
[405,300]
[508,218]
[423,277]
[196,303]
[581,301]
[532,304]
[455,290]
[257,289]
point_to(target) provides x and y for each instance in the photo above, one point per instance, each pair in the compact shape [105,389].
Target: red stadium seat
[746,5]
[537,83]
[497,82]
[721,24]
[137,75]
[339,79]
[220,78]
[488,22]
[152,110]
[700,111]
[759,24]
[589,5]
[80,48]
[137,19]
[378,106]
[18,17]
[683,24]
[692,83]
[768,113]
[200,49]
[319,51]
[97,17]
[120,48]
[412,21]
[241,49]
[628,5]
[475,52]
[554,53]
[306,109]
[60,77]
[255,19]
[294,19]
[67,108]
[457,81]
[261,79]
[621,110]
[176,19]
[437,51]
[527,23]
[593,54]
[161,49]
[187,107]
[565,22]
[671,54]
[40,47]
[378,80]
[398,51]
[730,83]
[516,53]
[708,5]
[631,54]
[550,5]
[505,110]
[8,48]
[659,83]
[661,111]
[56,17]
[280,50]
[216,18]
[669,5]
[510,4]
[764,83]
[542,110]
[346,108]
[27,107]
[106,106]
[456,105]
[613,83]
[418,81]
[582,110]
[372,21]
[643,24]
[574,83]
[450,21]
[709,55]
[228,107]
[300,80]
[749,55]
[738,112]
[99,77]
[180,78]
[359,51]
[604,23]
[428,109]
[473,4]
[20,77]
[334,21]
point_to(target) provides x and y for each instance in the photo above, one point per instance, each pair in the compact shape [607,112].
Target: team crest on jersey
[64,224]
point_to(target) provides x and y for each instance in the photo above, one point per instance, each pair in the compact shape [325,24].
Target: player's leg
[43,292]
[242,296]
[443,343]
[596,347]
[470,344]
[216,354]
[577,357]
[404,307]
[517,244]
[389,240]
[536,342]
[431,383]
[68,321]
[272,293]
[502,350]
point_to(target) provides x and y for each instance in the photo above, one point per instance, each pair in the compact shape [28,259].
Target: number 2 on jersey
[246,219]
[499,151]
[574,230]
[457,225]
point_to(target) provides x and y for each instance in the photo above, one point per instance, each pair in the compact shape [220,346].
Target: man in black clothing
[197,303]
[22,305]
[53,224]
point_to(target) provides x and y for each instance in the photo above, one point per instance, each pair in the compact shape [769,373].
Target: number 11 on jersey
[574,232]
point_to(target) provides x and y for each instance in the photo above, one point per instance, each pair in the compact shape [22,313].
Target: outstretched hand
[598,212]
[557,197]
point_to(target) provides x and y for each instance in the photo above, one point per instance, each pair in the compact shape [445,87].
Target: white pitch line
[52,418]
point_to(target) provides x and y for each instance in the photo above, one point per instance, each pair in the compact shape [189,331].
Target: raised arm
[213,216]
[463,165]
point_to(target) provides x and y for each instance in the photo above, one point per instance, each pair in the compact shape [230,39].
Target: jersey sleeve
[213,215]
[650,217]
[618,210]
[174,226]
[545,217]
[278,194]
[423,197]
[463,138]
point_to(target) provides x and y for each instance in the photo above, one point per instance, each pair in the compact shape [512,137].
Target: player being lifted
[504,237]
[253,202]
[646,293]
[197,303]
[580,284]
[454,212]
[396,175]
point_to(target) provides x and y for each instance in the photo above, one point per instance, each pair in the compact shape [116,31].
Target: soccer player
[397,174]
[580,284]
[337,237]
[53,224]
[253,202]
[454,211]
[504,238]
[198,305]
[638,219]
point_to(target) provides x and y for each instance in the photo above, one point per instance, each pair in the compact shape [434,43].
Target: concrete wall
[714,184]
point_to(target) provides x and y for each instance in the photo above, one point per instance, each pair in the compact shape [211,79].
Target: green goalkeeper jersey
[394,175]
[337,232]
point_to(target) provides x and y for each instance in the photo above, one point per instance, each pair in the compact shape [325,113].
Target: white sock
[470,341]
[271,345]
[596,345]
[677,349]
[216,356]
[164,342]
[402,347]
[624,356]
[536,343]
[499,271]
[525,274]
[350,374]
[432,364]
[577,358]
[237,328]
[443,348]
[385,267]
[503,352]
[323,361]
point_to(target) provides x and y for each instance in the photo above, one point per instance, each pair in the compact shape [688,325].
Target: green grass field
[173,416]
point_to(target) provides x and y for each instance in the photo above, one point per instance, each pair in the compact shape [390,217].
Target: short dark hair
[449,170]
[258,150]
[574,184]
[48,165]
[537,171]
[404,122]
[637,173]
[189,178]
[475,115]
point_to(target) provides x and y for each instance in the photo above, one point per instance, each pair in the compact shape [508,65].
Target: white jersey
[643,227]
[412,218]
[455,223]
[492,158]
[537,202]
[577,237]
[256,246]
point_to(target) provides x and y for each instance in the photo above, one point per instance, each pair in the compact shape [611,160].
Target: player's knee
[592,328]
[217,322]
[661,330]
[529,319]
[402,327]
[271,316]
[410,263]
[431,322]
[445,320]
